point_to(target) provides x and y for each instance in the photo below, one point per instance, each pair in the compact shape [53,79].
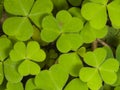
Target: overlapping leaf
[24,53]
[95,11]
[55,77]
[107,69]
[64,26]
[74,66]
[19,25]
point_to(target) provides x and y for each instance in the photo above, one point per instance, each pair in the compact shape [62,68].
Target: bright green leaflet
[14,86]
[5,47]
[55,77]
[74,66]
[10,71]
[1,73]
[117,83]
[66,28]
[89,34]
[40,9]
[28,54]
[92,77]
[81,51]
[30,85]
[76,84]
[118,53]
[75,2]
[98,17]
[18,7]
[114,13]
[20,27]
[107,69]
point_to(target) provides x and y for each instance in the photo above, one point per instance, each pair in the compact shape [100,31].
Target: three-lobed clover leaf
[71,63]
[76,84]
[55,78]
[28,55]
[64,27]
[19,25]
[101,70]
[95,11]
[89,34]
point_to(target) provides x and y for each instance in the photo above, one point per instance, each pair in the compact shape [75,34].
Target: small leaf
[98,17]
[92,77]
[55,77]
[18,53]
[5,47]
[97,57]
[108,70]
[34,52]
[76,84]
[20,27]
[14,86]
[114,13]
[72,68]
[75,2]
[18,7]
[10,71]
[40,9]
[28,67]
[1,73]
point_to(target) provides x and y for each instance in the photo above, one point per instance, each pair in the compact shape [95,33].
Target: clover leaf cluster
[59,45]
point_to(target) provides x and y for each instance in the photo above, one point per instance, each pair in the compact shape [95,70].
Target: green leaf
[1,73]
[98,17]
[114,13]
[100,1]
[68,42]
[76,84]
[75,2]
[92,77]
[10,71]
[34,52]
[117,88]
[40,9]
[95,58]
[55,77]
[18,7]
[5,47]
[14,86]
[18,53]
[118,53]
[81,51]
[108,70]
[74,66]
[28,67]
[19,27]
[30,85]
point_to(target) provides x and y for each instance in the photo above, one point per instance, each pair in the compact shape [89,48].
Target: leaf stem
[94,45]
[102,42]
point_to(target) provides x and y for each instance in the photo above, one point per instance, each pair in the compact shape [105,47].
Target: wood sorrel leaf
[92,77]
[75,2]
[55,77]
[114,13]
[5,47]
[18,7]
[108,70]
[14,86]
[10,71]
[40,9]
[28,67]
[95,58]
[76,84]
[72,68]
[19,27]
[98,17]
